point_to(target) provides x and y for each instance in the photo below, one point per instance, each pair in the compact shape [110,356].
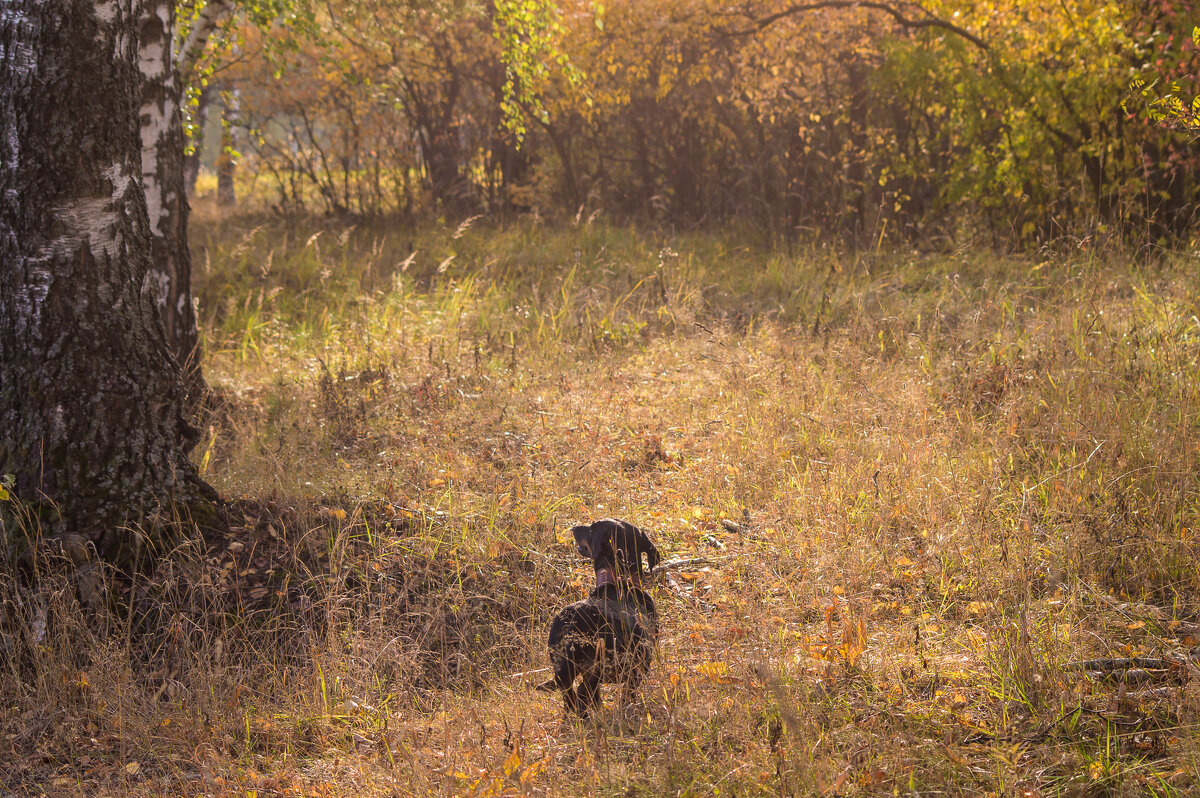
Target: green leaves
[530,32]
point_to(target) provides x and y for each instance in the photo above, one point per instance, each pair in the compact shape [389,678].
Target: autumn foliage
[1006,122]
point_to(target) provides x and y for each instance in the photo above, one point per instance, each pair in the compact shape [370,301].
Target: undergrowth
[913,493]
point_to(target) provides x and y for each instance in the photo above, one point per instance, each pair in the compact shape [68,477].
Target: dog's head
[615,548]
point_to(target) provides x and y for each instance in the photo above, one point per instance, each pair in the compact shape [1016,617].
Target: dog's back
[612,633]
[610,636]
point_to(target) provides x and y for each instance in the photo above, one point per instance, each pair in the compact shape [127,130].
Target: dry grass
[924,486]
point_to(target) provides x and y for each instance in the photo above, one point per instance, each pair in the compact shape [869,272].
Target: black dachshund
[609,637]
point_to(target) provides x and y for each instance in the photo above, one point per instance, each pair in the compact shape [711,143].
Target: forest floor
[939,516]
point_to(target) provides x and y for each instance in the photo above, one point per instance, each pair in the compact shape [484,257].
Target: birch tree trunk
[91,411]
[163,180]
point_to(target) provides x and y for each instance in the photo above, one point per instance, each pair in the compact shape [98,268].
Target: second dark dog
[610,636]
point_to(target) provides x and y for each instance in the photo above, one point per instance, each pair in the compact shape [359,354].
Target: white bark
[168,282]
[197,38]
[22,58]
[94,220]
[156,62]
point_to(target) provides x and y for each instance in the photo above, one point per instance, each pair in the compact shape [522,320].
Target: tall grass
[923,486]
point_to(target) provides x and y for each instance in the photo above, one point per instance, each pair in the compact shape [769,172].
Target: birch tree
[92,427]
[167,62]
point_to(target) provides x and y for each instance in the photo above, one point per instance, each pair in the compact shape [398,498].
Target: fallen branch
[1137,670]
[1157,693]
[1123,663]
[1136,676]
[683,562]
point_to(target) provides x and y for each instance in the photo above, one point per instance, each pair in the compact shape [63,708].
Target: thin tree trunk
[203,27]
[226,192]
[90,393]
[163,181]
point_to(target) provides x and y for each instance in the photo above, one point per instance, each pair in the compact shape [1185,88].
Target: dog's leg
[572,700]
[589,691]
[635,670]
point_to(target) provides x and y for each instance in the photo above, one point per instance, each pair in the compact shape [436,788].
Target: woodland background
[1004,123]
[883,320]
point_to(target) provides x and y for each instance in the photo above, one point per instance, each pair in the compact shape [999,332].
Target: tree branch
[197,38]
[895,13]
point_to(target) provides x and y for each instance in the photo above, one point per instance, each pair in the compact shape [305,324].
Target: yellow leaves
[854,638]
[666,80]
[977,608]
[533,771]
[905,568]
[853,635]
[716,672]
[513,769]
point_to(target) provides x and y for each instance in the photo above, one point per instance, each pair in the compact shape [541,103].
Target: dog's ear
[631,543]
[583,540]
[644,545]
[652,555]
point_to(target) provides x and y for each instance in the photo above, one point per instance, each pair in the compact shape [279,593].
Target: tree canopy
[1011,120]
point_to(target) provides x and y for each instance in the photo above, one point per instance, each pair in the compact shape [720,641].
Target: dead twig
[685,562]
[1123,663]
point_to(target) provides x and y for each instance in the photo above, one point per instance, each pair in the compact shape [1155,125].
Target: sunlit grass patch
[913,492]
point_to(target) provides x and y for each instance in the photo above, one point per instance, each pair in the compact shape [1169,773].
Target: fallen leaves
[717,673]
